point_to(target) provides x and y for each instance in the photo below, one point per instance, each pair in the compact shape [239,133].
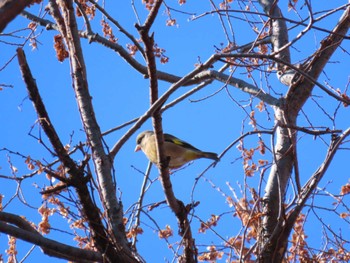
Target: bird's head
[141,139]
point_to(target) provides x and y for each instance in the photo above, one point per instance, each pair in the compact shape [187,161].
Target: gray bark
[276,226]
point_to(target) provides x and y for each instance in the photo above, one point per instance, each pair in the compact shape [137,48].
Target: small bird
[286,77]
[178,151]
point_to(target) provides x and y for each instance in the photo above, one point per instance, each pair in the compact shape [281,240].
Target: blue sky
[121,94]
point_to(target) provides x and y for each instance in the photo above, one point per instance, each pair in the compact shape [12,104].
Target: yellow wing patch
[178,142]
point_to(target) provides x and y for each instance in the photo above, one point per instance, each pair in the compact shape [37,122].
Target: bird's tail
[210,155]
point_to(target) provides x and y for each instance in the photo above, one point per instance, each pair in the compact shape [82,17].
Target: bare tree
[86,190]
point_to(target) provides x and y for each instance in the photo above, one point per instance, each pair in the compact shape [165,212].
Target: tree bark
[276,226]
[9,9]
[102,162]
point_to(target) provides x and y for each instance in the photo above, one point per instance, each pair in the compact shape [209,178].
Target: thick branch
[76,174]
[157,121]
[275,241]
[41,21]
[55,13]
[102,162]
[311,185]
[279,34]
[176,205]
[301,90]
[152,15]
[44,118]
[283,151]
[50,247]
[9,9]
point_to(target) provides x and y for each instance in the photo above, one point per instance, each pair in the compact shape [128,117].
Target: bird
[286,77]
[178,151]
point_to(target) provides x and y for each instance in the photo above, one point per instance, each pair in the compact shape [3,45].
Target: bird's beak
[137,148]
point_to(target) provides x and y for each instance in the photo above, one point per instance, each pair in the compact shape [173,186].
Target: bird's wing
[177,141]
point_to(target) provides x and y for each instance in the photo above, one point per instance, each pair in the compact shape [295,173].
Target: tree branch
[285,157]
[55,13]
[279,34]
[240,84]
[176,205]
[117,24]
[102,162]
[44,118]
[311,185]
[9,9]
[204,76]
[157,104]
[26,232]
[76,174]
[300,91]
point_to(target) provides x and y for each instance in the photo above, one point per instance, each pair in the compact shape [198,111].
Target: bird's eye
[139,140]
